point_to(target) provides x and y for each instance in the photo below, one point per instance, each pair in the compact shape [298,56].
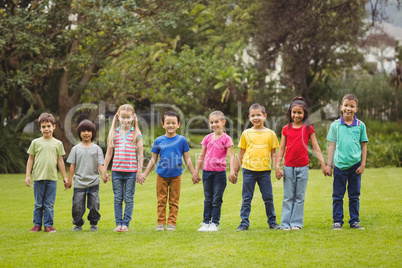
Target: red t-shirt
[297,145]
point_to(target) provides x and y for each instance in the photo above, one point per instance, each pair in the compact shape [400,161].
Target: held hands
[141,178]
[327,171]
[105,177]
[67,184]
[195,178]
[233,178]
[278,173]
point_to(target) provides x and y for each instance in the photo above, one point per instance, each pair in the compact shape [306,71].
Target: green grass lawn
[315,245]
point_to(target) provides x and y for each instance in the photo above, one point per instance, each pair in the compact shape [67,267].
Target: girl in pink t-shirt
[215,146]
[295,137]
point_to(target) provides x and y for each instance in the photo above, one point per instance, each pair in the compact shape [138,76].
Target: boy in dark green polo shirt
[348,152]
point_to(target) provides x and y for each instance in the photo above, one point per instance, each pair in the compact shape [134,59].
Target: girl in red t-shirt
[295,137]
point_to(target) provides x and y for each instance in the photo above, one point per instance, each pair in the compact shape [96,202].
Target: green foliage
[313,246]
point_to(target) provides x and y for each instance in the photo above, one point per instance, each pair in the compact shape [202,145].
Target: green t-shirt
[46,152]
[348,139]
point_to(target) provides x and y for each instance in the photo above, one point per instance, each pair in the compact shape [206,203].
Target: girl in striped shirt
[126,140]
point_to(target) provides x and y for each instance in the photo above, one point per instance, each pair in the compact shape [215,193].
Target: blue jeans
[45,196]
[214,185]
[79,198]
[353,180]
[294,189]
[123,189]
[263,178]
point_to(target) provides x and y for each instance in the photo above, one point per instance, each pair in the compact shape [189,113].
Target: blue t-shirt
[171,152]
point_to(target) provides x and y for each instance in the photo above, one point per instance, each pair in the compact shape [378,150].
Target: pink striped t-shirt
[125,154]
[215,155]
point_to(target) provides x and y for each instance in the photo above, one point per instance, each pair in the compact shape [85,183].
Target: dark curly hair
[299,101]
[86,125]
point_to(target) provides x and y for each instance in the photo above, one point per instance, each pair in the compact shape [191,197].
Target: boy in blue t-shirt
[171,148]
[348,149]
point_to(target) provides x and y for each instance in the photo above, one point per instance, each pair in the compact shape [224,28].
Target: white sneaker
[204,227]
[213,227]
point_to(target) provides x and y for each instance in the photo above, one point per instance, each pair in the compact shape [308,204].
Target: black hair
[299,101]
[86,125]
[170,113]
[350,97]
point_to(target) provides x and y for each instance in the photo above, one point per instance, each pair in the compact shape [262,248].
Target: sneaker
[160,227]
[337,226]
[242,228]
[213,227]
[356,225]
[50,229]
[171,227]
[36,229]
[204,227]
[296,228]
[117,229]
[94,228]
[77,228]
[124,229]
[286,229]
[274,226]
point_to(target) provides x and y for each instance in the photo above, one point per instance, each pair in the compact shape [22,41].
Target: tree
[314,38]
[51,50]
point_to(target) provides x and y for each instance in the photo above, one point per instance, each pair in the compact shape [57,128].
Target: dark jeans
[92,197]
[214,185]
[45,196]
[353,181]
[263,178]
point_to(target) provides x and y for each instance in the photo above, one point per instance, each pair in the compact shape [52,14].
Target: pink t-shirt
[297,139]
[215,155]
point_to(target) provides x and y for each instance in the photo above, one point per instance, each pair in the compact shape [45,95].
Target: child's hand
[28,181]
[360,170]
[328,171]
[67,184]
[233,178]
[196,178]
[140,178]
[105,177]
[278,173]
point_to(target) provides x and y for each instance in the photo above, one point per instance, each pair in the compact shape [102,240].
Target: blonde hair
[112,132]
[218,114]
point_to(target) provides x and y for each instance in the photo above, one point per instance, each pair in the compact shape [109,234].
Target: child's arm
[318,152]
[331,150]
[360,170]
[200,159]
[105,176]
[151,164]
[108,157]
[232,176]
[62,168]
[281,152]
[195,177]
[30,162]
[70,177]
[140,160]
[274,157]
[238,161]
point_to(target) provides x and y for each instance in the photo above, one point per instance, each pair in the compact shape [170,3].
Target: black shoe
[242,228]
[274,226]
[356,225]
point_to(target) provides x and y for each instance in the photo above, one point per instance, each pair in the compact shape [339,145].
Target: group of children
[257,148]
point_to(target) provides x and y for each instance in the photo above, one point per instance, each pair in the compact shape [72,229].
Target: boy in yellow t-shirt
[257,146]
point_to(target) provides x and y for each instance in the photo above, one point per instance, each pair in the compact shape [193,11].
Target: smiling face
[257,118]
[297,114]
[216,124]
[125,119]
[86,136]
[47,129]
[348,108]
[170,124]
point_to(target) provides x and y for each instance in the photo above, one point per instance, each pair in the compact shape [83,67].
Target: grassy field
[379,245]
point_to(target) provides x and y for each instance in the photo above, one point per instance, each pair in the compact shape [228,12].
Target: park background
[82,59]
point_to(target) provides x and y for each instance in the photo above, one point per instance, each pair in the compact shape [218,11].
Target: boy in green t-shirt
[45,154]
[348,149]
[257,146]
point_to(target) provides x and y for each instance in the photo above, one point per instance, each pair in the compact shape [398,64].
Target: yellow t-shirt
[258,145]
